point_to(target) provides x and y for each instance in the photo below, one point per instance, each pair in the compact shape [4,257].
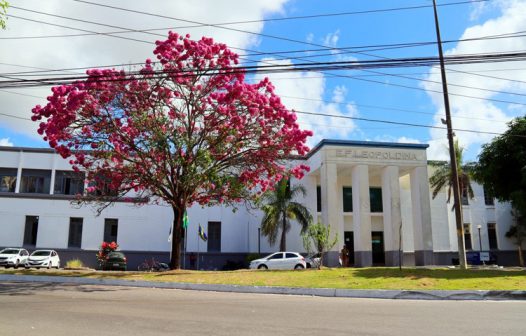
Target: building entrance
[377,238]
[349,242]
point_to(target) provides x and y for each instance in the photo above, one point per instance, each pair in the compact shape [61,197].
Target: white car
[43,258]
[280,260]
[13,257]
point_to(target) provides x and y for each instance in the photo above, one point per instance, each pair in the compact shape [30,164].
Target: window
[31,230]
[488,198]
[318,198]
[75,232]
[7,179]
[110,229]
[347,199]
[214,236]
[276,256]
[465,197]
[69,183]
[291,255]
[467,236]
[492,236]
[375,196]
[102,183]
[35,181]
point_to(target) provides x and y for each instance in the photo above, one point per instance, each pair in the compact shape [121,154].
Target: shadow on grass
[448,274]
[32,288]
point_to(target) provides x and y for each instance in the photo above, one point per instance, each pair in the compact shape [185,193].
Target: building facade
[374,195]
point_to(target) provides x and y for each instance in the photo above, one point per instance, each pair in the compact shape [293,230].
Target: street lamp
[480,245]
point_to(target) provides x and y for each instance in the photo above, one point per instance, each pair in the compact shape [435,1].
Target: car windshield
[40,253]
[115,255]
[9,251]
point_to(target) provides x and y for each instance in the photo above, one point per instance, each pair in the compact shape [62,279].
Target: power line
[85,21]
[131,30]
[382,121]
[315,16]
[316,66]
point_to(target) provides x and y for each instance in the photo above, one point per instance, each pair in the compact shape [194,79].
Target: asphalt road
[76,310]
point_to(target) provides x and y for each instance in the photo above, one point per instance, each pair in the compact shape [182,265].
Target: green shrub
[75,263]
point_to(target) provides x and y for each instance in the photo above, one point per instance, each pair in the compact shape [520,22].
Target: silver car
[280,260]
[13,257]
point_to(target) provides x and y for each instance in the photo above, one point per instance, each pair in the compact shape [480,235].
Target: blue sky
[345,93]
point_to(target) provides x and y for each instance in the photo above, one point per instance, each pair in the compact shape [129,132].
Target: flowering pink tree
[188,130]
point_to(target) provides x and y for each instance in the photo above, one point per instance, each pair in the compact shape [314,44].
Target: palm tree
[280,209]
[443,176]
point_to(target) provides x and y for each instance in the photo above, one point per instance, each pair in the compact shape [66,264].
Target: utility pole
[452,154]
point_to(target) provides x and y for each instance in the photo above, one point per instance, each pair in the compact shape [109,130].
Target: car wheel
[49,265]
[262,267]
[298,266]
[309,265]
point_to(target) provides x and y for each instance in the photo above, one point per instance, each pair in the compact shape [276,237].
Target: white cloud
[408,140]
[338,95]
[70,52]
[331,39]
[481,114]
[6,142]
[304,93]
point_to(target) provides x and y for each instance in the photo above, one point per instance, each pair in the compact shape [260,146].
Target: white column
[363,255]
[392,214]
[331,210]
[53,172]
[421,211]
[19,171]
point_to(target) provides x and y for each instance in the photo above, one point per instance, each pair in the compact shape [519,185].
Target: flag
[170,234]
[185,220]
[202,233]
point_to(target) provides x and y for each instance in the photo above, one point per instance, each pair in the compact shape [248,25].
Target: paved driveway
[55,309]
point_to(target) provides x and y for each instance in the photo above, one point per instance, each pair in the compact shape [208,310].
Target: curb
[493,295]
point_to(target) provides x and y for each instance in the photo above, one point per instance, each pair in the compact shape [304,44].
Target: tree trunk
[461,246]
[521,257]
[175,261]
[283,243]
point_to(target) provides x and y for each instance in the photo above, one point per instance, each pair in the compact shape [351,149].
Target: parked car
[280,260]
[313,261]
[13,257]
[43,258]
[114,261]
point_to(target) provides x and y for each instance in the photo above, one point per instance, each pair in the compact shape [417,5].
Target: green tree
[317,238]
[280,208]
[501,168]
[443,175]
[517,232]
[3,13]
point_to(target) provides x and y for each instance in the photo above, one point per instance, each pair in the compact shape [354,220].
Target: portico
[375,196]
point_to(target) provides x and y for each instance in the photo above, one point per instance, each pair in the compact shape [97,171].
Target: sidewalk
[325,292]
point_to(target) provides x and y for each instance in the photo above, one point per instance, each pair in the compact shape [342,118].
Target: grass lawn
[351,278]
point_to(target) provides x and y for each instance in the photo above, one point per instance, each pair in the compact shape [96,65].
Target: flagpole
[185,245]
[198,248]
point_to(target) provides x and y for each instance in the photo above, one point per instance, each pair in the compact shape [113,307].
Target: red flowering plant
[104,250]
[185,130]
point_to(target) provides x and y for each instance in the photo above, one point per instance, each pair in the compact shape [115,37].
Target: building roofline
[27,149]
[324,142]
[331,142]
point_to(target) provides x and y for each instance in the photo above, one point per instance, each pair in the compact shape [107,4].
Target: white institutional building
[374,195]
